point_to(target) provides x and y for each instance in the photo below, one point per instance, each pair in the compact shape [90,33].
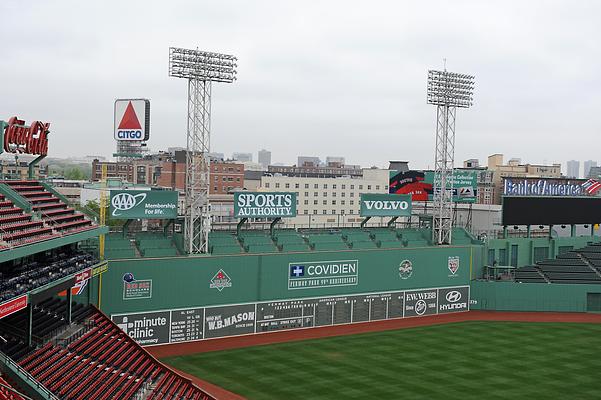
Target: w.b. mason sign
[385,205]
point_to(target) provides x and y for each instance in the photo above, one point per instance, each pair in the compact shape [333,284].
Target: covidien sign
[385,205]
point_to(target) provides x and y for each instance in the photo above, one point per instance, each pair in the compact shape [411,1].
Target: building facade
[264,158]
[328,200]
[573,169]
[588,165]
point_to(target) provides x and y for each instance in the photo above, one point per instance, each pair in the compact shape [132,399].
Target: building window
[296,185]
[360,187]
[230,179]
[315,202]
[352,194]
[342,202]
[352,187]
[306,212]
[377,187]
[325,202]
[351,212]
[325,212]
[307,194]
[342,194]
[316,186]
[267,184]
[334,186]
[333,194]
[215,188]
[325,185]
[287,186]
[237,179]
[315,194]
[306,186]
[352,202]
[386,188]
[333,202]
[277,185]
[368,187]
[224,179]
[216,178]
[333,212]
[344,186]
[306,202]
[314,211]
[325,194]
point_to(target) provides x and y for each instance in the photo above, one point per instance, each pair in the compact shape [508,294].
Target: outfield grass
[478,360]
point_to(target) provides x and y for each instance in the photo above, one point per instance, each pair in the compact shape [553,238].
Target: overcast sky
[338,78]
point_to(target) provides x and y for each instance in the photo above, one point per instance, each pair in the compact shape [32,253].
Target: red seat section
[6,393]
[105,363]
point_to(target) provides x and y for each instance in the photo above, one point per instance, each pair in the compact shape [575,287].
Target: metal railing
[27,377]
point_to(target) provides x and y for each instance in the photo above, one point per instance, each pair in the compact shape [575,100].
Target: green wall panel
[181,282]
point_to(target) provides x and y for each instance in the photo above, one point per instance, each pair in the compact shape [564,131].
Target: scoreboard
[189,324]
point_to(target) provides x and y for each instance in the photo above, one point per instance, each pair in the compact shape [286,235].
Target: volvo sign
[385,205]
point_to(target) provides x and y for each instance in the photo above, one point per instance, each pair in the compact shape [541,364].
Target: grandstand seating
[15,280]
[224,243]
[105,363]
[257,242]
[54,211]
[7,394]
[152,245]
[529,274]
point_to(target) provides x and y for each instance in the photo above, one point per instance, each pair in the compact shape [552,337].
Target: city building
[224,177]
[514,168]
[264,158]
[316,171]
[242,157]
[594,173]
[471,163]
[71,189]
[308,161]
[252,180]
[20,170]
[328,200]
[335,161]
[573,168]
[139,172]
[587,167]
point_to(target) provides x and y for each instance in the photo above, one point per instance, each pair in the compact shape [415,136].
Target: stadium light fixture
[447,91]
[200,68]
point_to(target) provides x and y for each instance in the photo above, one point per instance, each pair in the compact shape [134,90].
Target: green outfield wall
[192,281]
[512,296]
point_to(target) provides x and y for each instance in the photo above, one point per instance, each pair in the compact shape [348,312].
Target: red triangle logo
[130,119]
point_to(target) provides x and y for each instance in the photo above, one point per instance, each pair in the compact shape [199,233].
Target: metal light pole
[447,91]
[200,68]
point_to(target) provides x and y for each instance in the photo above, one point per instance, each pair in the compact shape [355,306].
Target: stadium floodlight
[200,68]
[447,91]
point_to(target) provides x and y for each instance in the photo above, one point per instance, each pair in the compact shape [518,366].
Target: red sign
[13,306]
[83,276]
[19,138]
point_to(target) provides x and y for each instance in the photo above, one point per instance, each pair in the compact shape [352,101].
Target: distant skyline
[314,78]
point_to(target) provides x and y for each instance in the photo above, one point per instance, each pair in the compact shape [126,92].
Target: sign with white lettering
[321,274]
[143,204]
[264,204]
[550,187]
[385,205]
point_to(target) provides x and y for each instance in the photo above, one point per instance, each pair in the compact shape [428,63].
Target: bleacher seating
[55,213]
[105,363]
[155,245]
[16,280]
[529,274]
[7,394]
[222,243]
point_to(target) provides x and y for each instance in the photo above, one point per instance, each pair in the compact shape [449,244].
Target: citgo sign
[145,204]
[132,120]
[385,205]
[264,204]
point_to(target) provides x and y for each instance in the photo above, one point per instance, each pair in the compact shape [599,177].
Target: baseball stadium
[149,298]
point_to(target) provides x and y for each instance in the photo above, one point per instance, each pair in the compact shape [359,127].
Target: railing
[27,377]
[85,327]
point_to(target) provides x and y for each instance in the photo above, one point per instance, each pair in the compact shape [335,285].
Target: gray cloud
[324,78]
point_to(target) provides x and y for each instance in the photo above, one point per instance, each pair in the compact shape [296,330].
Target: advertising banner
[550,187]
[321,274]
[385,205]
[465,185]
[264,204]
[132,119]
[143,204]
[12,306]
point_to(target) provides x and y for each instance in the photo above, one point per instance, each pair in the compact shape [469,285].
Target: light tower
[447,91]
[200,68]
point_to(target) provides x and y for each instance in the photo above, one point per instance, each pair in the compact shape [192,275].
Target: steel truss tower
[447,91]
[201,68]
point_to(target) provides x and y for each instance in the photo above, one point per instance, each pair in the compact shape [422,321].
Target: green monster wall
[183,282]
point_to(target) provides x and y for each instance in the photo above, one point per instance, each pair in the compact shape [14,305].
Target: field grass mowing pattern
[467,360]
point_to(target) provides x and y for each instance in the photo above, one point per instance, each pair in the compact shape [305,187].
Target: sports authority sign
[322,274]
[144,204]
[264,204]
[132,119]
[385,205]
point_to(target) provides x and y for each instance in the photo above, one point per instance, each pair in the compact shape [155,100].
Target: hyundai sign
[144,204]
[264,204]
[385,205]
[132,119]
